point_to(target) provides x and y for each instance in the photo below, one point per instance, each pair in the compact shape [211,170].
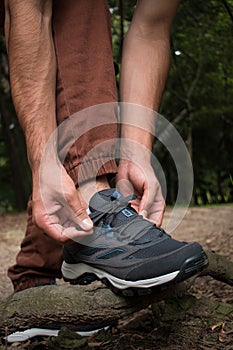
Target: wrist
[46,173]
[138,124]
[134,151]
[42,151]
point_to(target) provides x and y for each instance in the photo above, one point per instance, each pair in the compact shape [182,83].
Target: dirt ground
[211,226]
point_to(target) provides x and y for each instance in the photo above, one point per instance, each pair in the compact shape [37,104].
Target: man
[60,62]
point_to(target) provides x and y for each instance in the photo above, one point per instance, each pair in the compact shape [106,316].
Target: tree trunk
[121,13]
[14,140]
[21,179]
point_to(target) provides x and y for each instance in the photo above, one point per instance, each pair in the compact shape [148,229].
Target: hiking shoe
[128,253]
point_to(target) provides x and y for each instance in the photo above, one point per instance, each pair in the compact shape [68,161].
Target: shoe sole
[81,273]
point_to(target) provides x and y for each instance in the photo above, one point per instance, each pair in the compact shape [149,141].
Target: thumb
[79,214]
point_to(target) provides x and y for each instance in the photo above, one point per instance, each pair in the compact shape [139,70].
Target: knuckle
[63,239]
[79,212]
[69,195]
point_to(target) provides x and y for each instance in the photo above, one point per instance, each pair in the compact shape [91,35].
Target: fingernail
[87,224]
[144,213]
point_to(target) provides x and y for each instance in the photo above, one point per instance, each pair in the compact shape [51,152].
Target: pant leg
[39,259]
[85,77]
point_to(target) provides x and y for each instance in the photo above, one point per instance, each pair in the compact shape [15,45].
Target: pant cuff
[91,169]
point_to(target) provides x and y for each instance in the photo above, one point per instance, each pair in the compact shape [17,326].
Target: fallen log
[83,307]
[90,307]
[220,268]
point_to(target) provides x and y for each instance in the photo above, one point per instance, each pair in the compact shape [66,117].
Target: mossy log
[92,306]
[79,307]
[220,268]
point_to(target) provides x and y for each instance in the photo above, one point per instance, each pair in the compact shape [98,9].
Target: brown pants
[85,77]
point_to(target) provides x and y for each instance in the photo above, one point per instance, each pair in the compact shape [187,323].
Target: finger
[147,199]
[125,187]
[78,212]
[158,220]
[54,226]
[64,235]
[82,219]
[73,203]
[157,209]
[157,213]
[135,203]
[73,233]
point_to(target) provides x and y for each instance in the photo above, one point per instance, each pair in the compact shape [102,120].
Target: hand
[57,208]
[141,180]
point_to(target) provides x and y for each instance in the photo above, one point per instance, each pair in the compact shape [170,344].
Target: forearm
[145,66]
[144,72]
[32,67]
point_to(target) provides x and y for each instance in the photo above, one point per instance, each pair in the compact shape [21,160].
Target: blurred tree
[122,13]
[15,180]
[199,94]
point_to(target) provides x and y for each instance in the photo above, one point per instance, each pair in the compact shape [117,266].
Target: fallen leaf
[218,325]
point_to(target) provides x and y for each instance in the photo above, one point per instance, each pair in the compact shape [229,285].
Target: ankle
[90,187]
[102,183]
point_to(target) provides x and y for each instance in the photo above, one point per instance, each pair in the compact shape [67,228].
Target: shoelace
[112,207]
[106,216]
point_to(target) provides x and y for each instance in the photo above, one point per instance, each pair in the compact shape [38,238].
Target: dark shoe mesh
[158,249]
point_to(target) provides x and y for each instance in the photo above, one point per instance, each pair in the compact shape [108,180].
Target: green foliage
[201,82]
[121,11]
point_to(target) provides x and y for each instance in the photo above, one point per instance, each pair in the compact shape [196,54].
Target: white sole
[74,271]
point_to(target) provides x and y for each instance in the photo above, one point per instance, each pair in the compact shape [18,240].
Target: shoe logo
[127,213]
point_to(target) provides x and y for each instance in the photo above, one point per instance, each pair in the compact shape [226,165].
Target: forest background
[198,100]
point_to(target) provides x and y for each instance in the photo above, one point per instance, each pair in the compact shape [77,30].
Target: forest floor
[211,226]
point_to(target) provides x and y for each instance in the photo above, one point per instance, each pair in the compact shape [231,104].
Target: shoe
[128,253]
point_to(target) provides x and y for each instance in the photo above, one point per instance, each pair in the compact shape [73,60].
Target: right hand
[57,208]
[141,180]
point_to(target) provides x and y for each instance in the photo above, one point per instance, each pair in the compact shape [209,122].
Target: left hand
[141,180]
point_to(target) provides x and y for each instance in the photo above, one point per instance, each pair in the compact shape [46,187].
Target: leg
[85,78]
[38,261]
[40,257]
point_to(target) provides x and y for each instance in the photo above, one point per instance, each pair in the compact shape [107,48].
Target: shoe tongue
[123,217]
[102,198]
[101,202]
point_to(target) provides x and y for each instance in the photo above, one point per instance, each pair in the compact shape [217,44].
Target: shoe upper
[126,245]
